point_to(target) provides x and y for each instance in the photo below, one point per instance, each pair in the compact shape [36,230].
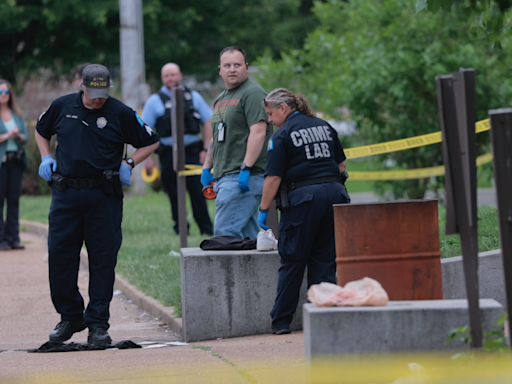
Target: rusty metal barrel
[395,243]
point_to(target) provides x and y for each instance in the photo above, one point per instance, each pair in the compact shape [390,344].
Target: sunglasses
[274,101]
[6,91]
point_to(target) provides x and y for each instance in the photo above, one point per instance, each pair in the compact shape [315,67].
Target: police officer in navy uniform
[305,157]
[196,112]
[86,179]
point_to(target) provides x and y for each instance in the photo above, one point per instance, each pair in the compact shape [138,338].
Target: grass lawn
[148,239]
[488,233]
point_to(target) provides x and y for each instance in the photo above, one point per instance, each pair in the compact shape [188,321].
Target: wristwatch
[130,162]
[243,167]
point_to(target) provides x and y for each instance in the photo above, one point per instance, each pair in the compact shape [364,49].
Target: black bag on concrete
[228,243]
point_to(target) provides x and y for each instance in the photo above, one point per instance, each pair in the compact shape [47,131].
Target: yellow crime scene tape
[394,146]
[407,174]
[403,144]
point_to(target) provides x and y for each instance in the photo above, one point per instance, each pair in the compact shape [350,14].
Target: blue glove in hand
[124,175]
[243,179]
[206,177]
[262,220]
[48,165]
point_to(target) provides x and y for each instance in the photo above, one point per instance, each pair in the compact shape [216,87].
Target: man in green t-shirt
[237,151]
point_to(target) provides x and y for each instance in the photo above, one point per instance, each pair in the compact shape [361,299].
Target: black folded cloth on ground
[58,346]
[227,243]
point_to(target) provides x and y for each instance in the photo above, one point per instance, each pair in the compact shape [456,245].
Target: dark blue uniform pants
[11,173]
[306,238]
[194,187]
[79,215]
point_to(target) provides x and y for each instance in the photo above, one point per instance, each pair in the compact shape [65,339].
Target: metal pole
[178,153]
[501,138]
[460,166]
[133,78]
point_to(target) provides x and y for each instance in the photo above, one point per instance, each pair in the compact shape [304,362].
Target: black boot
[99,336]
[65,329]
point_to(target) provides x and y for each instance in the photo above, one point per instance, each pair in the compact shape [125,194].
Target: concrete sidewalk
[27,316]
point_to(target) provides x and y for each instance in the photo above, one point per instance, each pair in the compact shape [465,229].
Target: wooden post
[501,138]
[456,116]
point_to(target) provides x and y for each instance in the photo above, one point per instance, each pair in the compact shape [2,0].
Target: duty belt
[320,180]
[83,183]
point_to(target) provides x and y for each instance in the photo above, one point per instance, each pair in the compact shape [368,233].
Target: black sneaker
[99,336]
[4,246]
[65,329]
[282,331]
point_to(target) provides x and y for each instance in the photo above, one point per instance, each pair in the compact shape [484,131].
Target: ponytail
[303,105]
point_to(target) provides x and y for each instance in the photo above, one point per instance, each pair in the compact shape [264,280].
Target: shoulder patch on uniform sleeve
[42,114]
[270,145]
[139,119]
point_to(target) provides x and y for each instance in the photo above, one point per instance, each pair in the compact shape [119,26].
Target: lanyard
[222,126]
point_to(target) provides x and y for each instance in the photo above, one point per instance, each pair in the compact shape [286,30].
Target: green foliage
[486,18]
[56,34]
[193,33]
[494,341]
[62,34]
[380,60]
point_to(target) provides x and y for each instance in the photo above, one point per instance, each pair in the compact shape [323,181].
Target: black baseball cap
[96,79]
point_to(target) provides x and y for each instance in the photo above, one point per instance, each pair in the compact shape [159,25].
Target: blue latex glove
[206,177]
[48,165]
[243,179]
[262,220]
[124,175]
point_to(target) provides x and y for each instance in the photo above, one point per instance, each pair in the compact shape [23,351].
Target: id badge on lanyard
[221,136]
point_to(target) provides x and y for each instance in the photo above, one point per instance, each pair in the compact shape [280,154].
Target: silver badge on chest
[101,122]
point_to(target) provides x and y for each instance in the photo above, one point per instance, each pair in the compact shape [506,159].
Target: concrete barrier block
[419,325]
[490,277]
[230,293]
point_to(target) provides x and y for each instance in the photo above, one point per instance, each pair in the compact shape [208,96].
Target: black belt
[12,156]
[320,180]
[83,183]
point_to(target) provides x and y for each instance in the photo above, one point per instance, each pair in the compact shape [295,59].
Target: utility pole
[133,78]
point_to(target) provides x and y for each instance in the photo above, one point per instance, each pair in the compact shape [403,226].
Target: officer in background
[86,182]
[157,114]
[305,157]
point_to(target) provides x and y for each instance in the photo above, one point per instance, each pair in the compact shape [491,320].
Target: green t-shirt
[238,109]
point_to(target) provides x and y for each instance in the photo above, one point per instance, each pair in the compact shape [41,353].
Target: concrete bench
[230,293]
[419,325]
[491,281]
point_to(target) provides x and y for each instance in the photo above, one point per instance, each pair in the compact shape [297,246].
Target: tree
[380,60]
[58,35]
[193,33]
[487,17]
